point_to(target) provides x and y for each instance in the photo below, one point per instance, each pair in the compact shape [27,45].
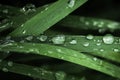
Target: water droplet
[86,44]
[42,38]
[46,8]
[60,75]
[98,44]
[50,52]
[101,50]
[71,3]
[108,39]
[28,9]
[8,38]
[22,41]
[59,50]
[24,31]
[5,11]
[10,63]
[73,42]
[87,23]
[95,59]
[29,74]
[116,50]
[59,39]
[89,36]
[5,69]
[29,38]
[0,60]
[112,25]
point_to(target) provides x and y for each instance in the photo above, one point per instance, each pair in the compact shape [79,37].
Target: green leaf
[89,23]
[64,54]
[45,19]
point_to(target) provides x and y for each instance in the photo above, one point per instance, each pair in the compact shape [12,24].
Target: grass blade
[42,21]
[64,54]
[89,23]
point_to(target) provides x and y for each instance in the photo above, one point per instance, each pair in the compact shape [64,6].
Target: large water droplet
[71,3]
[59,39]
[108,39]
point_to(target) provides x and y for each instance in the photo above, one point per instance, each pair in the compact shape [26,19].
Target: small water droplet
[42,38]
[95,59]
[60,75]
[101,50]
[10,63]
[87,23]
[73,42]
[50,52]
[59,39]
[0,60]
[24,32]
[29,74]
[5,11]
[28,8]
[108,39]
[71,3]
[59,50]
[116,50]
[89,36]
[86,44]
[29,38]
[98,44]
[5,69]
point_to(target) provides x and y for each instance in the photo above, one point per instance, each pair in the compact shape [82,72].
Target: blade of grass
[43,20]
[34,72]
[64,54]
[86,23]
[95,46]
[30,71]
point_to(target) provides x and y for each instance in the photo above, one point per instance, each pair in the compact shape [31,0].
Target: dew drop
[98,44]
[0,60]
[73,42]
[5,69]
[116,50]
[59,39]
[28,9]
[29,38]
[89,36]
[5,11]
[71,3]
[24,32]
[108,39]
[29,74]
[60,75]
[59,50]
[86,44]
[42,38]
[95,59]
[101,50]
[10,63]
